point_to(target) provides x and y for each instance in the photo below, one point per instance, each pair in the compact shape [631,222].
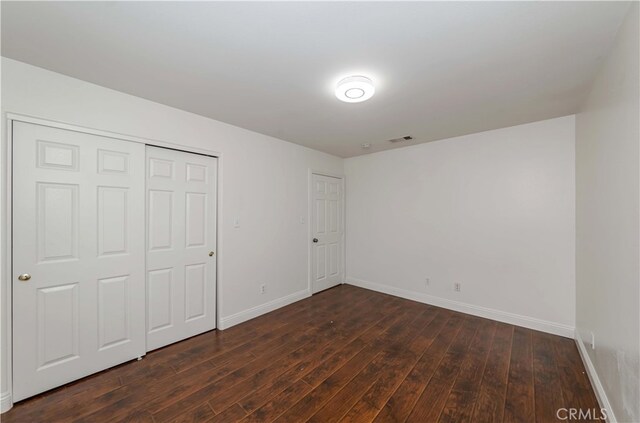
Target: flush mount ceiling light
[354,89]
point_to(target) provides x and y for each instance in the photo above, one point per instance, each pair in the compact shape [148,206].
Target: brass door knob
[24,277]
[211,253]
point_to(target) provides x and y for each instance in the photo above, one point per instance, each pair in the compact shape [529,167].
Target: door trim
[7,303]
[6,181]
[110,134]
[343,269]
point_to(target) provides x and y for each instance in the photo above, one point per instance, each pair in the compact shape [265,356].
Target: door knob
[211,253]
[315,239]
[24,277]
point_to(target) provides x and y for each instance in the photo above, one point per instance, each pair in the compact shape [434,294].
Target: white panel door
[78,246]
[181,241]
[327,232]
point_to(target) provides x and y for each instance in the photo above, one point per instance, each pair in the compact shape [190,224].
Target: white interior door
[327,232]
[181,244]
[78,247]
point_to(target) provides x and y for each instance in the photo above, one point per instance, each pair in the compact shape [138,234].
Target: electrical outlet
[456,286]
[593,341]
[427,282]
[263,289]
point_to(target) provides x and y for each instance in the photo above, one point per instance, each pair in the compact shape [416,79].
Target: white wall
[607,225]
[263,180]
[493,211]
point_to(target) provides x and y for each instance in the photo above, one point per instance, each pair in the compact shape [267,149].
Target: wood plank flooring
[344,355]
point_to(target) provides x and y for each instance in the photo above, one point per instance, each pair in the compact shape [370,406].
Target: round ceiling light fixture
[354,89]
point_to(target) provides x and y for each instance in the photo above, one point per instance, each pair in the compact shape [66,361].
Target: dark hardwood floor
[346,354]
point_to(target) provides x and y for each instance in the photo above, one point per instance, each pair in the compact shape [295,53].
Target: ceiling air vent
[401,139]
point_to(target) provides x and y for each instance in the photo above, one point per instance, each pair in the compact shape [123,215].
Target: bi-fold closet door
[83,296]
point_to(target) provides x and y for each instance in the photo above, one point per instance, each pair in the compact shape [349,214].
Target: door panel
[112,220]
[78,230]
[59,156]
[328,229]
[57,325]
[333,259]
[113,313]
[160,219]
[113,162]
[57,227]
[195,290]
[196,219]
[321,262]
[159,284]
[181,232]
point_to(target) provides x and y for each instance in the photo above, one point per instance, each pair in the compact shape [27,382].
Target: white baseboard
[5,402]
[601,395]
[488,313]
[243,316]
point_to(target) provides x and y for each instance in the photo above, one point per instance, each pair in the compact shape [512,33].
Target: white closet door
[181,241]
[78,248]
[327,230]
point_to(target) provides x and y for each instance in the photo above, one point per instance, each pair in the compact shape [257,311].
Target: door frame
[343,210]
[6,179]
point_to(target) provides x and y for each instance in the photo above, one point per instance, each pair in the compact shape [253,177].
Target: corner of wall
[607,226]
[600,392]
